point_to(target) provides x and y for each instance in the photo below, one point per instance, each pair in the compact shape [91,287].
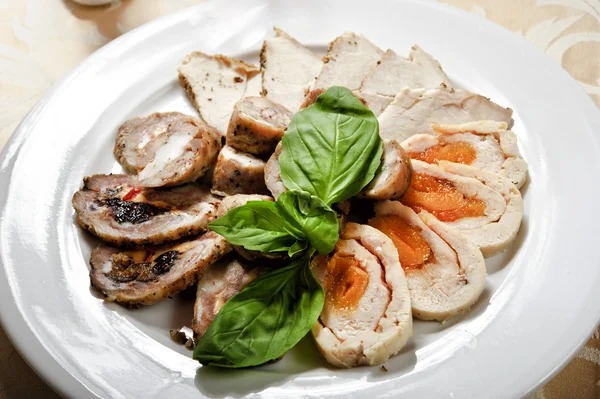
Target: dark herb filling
[131,212]
[124,270]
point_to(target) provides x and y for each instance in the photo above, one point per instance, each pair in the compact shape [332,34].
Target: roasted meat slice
[217,285]
[487,145]
[238,173]
[349,59]
[257,125]
[444,269]
[413,111]
[214,84]
[233,201]
[395,175]
[118,210]
[273,174]
[366,317]
[377,103]
[288,70]
[148,275]
[167,149]
[393,73]
[484,206]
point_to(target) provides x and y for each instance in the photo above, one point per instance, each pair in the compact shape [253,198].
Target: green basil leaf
[317,221]
[299,246]
[331,149]
[265,320]
[257,226]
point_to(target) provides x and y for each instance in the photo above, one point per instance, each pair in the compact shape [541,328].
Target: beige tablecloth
[41,40]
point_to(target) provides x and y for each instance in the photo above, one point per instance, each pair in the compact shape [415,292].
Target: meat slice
[394,73]
[377,103]
[148,275]
[444,269]
[487,145]
[413,111]
[366,317]
[349,59]
[238,173]
[288,70]
[484,206]
[214,84]
[273,179]
[217,285]
[395,175]
[118,210]
[167,149]
[257,125]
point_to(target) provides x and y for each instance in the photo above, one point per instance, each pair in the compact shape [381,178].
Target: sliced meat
[214,84]
[257,125]
[238,173]
[118,210]
[394,73]
[377,103]
[395,175]
[413,111]
[495,236]
[288,70]
[167,149]
[366,317]
[148,275]
[217,285]
[444,269]
[487,145]
[349,59]
[484,206]
[273,174]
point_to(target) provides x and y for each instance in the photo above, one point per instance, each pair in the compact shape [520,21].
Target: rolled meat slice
[413,111]
[257,125]
[349,59]
[238,173]
[167,149]
[395,175]
[118,210]
[444,269]
[366,317]
[484,206]
[487,145]
[217,285]
[214,83]
[148,275]
[289,70]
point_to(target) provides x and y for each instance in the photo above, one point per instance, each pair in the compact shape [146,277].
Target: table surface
[40,41]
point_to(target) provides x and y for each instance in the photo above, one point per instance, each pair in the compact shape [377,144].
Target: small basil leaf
[331,149]
[298,247]
[257,226]
[317,221]
[265,320]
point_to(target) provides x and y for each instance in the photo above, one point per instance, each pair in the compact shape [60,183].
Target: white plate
[541,300]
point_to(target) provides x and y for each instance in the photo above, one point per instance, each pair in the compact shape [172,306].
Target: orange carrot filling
[346,282]
[413,250]
[441,198]
[458,152]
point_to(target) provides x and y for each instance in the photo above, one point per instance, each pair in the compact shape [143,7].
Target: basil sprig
[296,220]
[265,320]
[331,151]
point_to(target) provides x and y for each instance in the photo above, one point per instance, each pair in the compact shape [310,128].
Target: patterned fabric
[41,40]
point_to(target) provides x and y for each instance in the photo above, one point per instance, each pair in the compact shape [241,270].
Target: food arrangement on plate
[339,196]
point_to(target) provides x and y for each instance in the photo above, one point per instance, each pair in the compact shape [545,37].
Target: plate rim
[11,317]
